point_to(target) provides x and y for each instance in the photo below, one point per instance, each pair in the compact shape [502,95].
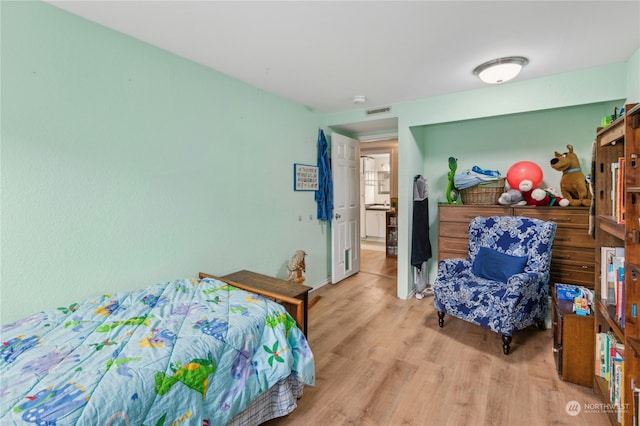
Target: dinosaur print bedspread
[193,352]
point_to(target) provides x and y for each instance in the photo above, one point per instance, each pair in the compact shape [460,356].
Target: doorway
[378,195]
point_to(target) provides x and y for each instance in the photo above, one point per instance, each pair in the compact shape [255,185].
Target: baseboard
[320,284]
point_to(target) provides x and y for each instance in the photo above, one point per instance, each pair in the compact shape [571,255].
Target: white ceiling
[322,53]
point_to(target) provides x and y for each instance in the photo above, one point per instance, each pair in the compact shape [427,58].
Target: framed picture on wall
[305,177]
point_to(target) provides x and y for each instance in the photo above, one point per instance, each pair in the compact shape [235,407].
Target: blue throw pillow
[496,266]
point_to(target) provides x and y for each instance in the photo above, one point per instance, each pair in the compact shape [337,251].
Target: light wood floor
[381,360]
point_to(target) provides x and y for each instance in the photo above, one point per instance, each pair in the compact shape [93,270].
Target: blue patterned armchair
[504,283]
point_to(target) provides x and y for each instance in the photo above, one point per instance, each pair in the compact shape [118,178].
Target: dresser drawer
[466,213]
[573,217]
[575,238]
[571,274]
[452,247]
[573,256]
[454,230]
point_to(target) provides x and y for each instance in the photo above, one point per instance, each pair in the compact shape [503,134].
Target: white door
[363,229]
[345,224]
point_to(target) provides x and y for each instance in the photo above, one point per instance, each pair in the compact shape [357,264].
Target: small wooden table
[278,289]
[573,342]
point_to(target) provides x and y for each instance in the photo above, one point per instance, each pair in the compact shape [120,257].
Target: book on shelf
[618,269]
[620,190]
[601,358]
[606,254]
[610,366]
[612,278]
[614,186]
[608,347]
[614,383]
[617,384]
[617,190]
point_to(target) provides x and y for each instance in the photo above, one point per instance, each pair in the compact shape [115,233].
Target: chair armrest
[454,265]
[526,282]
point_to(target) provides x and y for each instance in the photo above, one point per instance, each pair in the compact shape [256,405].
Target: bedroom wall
[633,77]
[123,165]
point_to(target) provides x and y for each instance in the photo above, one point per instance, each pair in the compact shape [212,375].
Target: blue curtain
[324,194]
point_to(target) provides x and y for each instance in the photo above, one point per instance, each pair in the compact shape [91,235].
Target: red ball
[524,170]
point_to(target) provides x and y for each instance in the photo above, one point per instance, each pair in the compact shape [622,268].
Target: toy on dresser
[573,183]
[523,178]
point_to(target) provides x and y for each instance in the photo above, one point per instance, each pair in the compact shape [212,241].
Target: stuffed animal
[573,183]
[526,195]
[542,197]
[512,197]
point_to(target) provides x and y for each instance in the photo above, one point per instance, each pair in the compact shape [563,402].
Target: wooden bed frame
[294,306]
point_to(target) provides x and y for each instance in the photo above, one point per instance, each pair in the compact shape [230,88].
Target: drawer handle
[561,219]
[563,239]
[555,350]
[562,256]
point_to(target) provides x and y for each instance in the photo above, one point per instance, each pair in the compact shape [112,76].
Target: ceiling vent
[380,110]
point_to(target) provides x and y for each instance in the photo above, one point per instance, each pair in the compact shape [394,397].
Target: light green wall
[633,77]
[123,165]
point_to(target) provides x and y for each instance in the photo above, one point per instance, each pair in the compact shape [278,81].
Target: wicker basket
[484,193]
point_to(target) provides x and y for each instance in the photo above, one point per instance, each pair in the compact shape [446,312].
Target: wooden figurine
[296,267]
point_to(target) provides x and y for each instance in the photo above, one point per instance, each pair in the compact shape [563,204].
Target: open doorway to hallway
[379,198]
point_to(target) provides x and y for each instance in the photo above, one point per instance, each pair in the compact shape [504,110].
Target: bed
[195,351]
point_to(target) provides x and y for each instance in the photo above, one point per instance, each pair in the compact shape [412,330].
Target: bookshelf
[391,234]
[617,225]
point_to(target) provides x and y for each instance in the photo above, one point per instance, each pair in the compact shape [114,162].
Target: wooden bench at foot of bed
[294,297]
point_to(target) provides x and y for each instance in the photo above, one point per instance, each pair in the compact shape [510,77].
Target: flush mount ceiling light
[359,99]
[500,70]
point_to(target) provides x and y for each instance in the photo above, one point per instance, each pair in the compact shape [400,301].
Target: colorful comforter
[191,352]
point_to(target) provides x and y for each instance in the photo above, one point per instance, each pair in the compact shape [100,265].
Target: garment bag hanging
[420,243]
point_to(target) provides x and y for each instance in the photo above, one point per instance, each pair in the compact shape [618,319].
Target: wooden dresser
[572,260]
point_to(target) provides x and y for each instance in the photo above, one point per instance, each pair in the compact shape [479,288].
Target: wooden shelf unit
[621,139]
[573,342]
[391,234]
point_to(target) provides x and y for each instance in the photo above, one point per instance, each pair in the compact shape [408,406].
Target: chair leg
[441,319]
[506,343]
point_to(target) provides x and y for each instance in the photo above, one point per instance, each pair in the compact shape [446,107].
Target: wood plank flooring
[381,360]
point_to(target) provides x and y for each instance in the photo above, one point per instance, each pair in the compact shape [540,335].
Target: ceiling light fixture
[359,99]
[500,70]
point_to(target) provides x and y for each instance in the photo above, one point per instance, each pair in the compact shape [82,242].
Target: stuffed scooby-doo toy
[573,183]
